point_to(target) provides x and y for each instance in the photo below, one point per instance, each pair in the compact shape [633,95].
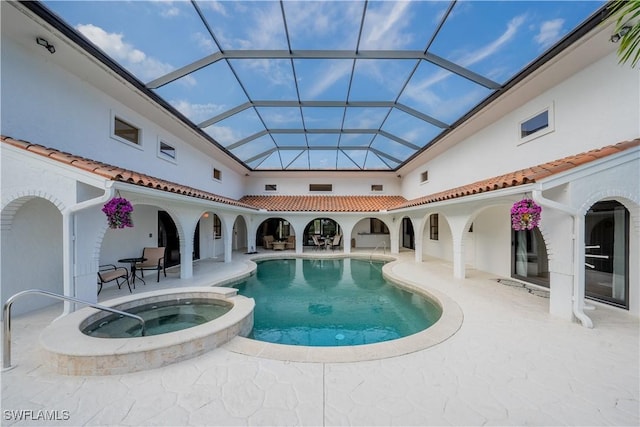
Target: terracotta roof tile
[330,203]
[324,203]
[119,174]
[523,176]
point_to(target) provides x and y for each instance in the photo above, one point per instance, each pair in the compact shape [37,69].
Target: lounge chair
[154,261]
[291,242]
[267,242]
[316,242]
[109,272]
[335,242]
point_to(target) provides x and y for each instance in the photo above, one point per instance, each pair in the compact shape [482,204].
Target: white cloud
[168,8]
[549,32]
[494,46]
[223,134]
[134,60]
[328,76]
[197,113]
[420,91]
[386,25]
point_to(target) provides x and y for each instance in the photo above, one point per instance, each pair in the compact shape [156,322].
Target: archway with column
[32,250]
[323,229]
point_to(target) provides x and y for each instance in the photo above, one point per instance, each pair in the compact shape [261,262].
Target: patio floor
[511,363]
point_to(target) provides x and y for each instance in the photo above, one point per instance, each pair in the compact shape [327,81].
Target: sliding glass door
[607,253]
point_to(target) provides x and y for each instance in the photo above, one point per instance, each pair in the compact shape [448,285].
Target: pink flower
[118,211]
[525,215]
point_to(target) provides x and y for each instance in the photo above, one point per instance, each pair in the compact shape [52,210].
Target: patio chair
[291,242]
[335,242]
[154,261]
[267,242]
[316,242]
[109,272]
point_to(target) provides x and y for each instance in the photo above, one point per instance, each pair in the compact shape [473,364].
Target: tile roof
[523,176]
[324,203]
[329,203]
[115,173]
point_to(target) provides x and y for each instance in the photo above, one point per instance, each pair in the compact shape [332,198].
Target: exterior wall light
[44,43]
[615,38]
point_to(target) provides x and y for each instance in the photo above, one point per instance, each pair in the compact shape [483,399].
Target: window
[433,227]
[607,253]
[320,187]
[377,227]
[167,151]
[539,124]
[376,187]
[529,261]
[124,131]
[217,174]
[270,187]
[424,176]
[217,227]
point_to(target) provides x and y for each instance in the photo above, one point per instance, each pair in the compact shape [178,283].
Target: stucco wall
[44,104]
[594,108]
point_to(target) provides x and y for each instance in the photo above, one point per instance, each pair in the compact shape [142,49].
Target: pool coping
[448,324]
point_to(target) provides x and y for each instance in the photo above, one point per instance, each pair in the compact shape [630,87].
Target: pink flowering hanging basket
[118,211]
[525,215]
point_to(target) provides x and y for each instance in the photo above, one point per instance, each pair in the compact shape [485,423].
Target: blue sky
[493,39]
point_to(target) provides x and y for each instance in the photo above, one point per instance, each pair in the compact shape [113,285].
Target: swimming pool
[332,302]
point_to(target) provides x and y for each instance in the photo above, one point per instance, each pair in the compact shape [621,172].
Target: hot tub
[70,351]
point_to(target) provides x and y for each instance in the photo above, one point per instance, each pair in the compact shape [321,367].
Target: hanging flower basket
[118,211]
[525,215]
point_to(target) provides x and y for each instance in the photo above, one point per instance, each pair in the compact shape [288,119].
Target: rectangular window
[377,227]
[167,150]
[433,227]
[125,131]
[217,227]
[217,174]
[270,187]
[534,124]
[424,176]
[320,187]
[376,187]
[537,125]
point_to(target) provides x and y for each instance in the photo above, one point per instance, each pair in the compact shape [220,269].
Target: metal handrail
[6,317]
[384,249]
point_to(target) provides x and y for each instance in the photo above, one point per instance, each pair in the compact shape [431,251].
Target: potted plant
[118,211]
[525,215]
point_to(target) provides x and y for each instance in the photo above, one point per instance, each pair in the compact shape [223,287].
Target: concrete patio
[510,363]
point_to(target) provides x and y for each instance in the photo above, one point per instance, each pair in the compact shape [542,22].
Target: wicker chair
[267,242]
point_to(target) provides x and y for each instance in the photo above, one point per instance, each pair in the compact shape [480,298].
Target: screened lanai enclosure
[334,85]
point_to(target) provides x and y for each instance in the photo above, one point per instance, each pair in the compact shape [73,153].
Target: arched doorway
[32,254]
[168,237]
[320,227]
[607,253]
[276,228]
[529,261]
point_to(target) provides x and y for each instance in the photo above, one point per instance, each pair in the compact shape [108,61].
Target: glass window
[433,227]
[167,150]
[217,174]
[320,187]
[217,227]
[126,131]
[424,176]
[534,124]
[529,260]
[270,187]
[377,227]
[607,253]
[376,187]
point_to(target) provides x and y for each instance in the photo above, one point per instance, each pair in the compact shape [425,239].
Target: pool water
[332,302]
[160,318]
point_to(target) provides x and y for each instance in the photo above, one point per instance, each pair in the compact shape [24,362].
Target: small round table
[132,265]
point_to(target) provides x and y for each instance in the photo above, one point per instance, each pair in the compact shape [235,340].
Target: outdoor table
[132,263]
